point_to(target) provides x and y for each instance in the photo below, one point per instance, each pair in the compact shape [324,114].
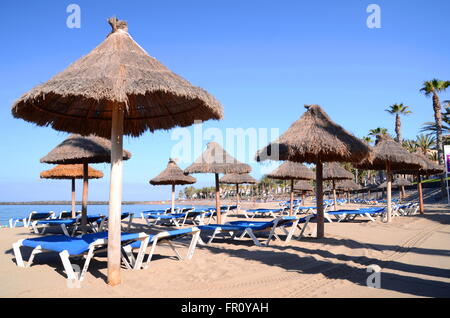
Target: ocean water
[20,211]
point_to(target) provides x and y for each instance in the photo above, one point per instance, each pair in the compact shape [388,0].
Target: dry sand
[412,251]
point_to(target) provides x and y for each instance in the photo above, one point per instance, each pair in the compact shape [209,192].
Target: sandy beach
[412,251]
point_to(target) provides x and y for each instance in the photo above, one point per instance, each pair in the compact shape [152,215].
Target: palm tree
[397,110]
[367,139]
[410,145]
[425,143]
[378,131]
[432,88]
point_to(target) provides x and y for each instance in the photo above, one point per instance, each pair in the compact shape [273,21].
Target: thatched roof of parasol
[237,178]
[77,149]
[303,185]
[216,160]
[117,73]
[334,171]
[172,175]
[429,167]
[401,182]
[292,171]
[347,185]
[387,150]
[315,138]
[70,172]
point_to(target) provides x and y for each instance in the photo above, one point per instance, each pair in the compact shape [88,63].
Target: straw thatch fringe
[70,172]
[78,149]
[334,171]
[387,150]
[347,185]
[428,167]
[315,138]
[216,160]
[303,185]
[236,178]
[172,175]
[292,171]
[117,73]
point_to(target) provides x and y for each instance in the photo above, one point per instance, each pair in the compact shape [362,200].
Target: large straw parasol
[428,168]
[70,172]
[115,90]
[315,138]
[77,149]
[333,171]
[216,160]
[237,179]
[292,171]
[172,175]
[389,155]
[347,186]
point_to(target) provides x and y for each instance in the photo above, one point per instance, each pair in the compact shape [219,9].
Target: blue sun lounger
[66,224]
[33,216]
[261,212]
[167,237]
[86,245]
[242,228]
[349,215]
[103,223]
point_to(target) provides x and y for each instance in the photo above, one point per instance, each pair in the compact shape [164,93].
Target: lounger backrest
[34,216]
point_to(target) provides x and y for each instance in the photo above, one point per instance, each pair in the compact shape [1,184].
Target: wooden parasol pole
[419,188]
[219,217]
[303,198]
[237,198]
[85,197]
[389,192]
[73,198]
[115,197]
[334,195]
[173,198]
[291,209]
[319,199]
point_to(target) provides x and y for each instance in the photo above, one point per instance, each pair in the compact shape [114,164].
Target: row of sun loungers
[88,245]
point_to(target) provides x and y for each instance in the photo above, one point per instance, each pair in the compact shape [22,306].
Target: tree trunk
[398,127]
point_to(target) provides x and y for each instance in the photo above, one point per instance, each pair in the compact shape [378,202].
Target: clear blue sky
[262,59]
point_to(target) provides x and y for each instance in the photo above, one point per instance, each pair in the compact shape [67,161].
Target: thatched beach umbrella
[401,183]
[315,138]
[216,160]
[333,172]
[389,155]
[172,175]
[70,172]
[428,168]
[115,90]
[303,187]
[292,171]
[347,186]
[237,179]
[77,149]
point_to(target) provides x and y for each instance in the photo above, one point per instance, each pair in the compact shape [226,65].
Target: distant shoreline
[165,202]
